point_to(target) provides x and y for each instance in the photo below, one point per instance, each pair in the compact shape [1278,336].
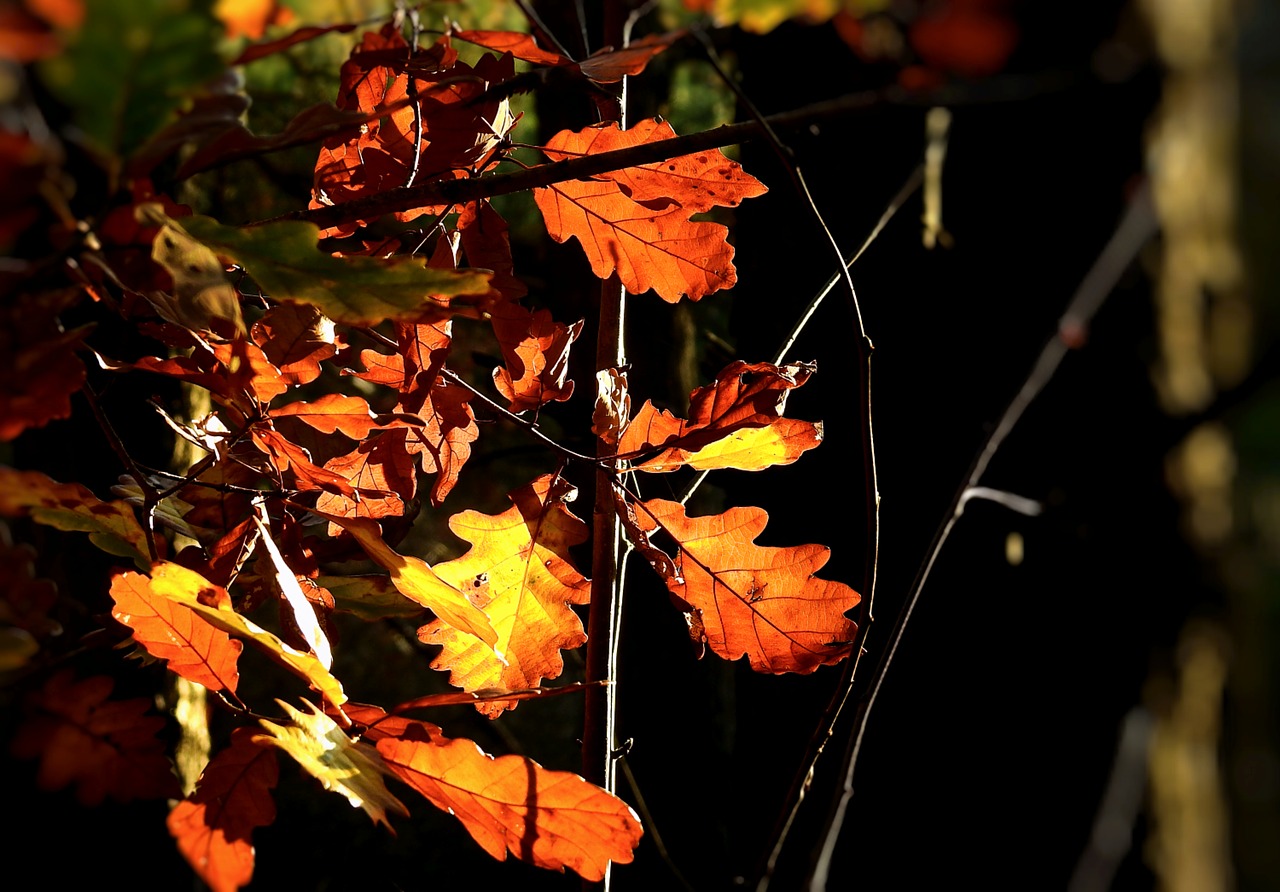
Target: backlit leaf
[169,631]
[190,589]
[746,599]
[285,259]
[295,338]
[417,581]
[536,349]
[106,748]
[734,423]
[551,819]
[519,571]
[636,221]
[348,767]
[213,826]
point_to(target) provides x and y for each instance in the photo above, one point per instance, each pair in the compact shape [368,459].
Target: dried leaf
[763,602]
[380,463]
[169,631]
[213,826]
[519,571]
[39,369]
[734,423]
[332,413]
[104,747]
[636,221]
[286,583]
[266,48]
[295,338]
[348,767]
[551,819]
[613,405]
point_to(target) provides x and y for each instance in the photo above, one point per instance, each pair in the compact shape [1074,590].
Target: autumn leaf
[487,244]
[746,599]
[351,768]
[605,66]
[285,582]
[190,589]
[289,456]
[636,221]
[368,597]
[295,338]
[169,631]
[107,748]
[285,259]
[213,826]
[69,506]
[332,413]
[256,51]
[202,298]
[382,463]
[536,349]
[551,819]
[734,423]
[417,581]
[519,571]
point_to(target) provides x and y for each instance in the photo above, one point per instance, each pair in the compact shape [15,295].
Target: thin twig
[149,500]
[651,828]
[1136,227]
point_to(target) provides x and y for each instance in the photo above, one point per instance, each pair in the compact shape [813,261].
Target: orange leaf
[381,463]
[609,66]
[214,824]
[765,603]
[268,47]
[734,423]
[104,747]
[193,649]
[636,221]
[519,571]
[331,413]
[551,819]
[536,349]
[443,443]
[289,456]
[487,245]
[518,44]
[190,589]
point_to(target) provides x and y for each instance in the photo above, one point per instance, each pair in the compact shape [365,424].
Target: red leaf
[745,599]
[39,369]
[443,443]
[213,826]
[288,456]
[269,47]
[636,221]
[609,66]
[104,747]
[488,246]
[174,633]
[382,463]
[522,46]
[536,349]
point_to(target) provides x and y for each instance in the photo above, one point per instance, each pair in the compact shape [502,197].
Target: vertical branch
[606,590]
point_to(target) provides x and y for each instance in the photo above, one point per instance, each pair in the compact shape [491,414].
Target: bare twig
[149,496]
[1136,227]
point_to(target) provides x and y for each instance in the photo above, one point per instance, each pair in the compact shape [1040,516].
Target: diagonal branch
[998,90]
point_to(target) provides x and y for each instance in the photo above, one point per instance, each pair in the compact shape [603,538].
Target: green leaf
[368,597]
[285,259]
[132,64]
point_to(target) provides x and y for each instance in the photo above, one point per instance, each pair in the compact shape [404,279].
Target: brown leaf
[107,748]
[520,573]
[332,413]
[381,463]
[734,423]
[763,602]
[536,349]
[213,826]
[169,631]
[522,46]
[257,51]
[636,221]
[487,245]
[551,819]
[39,369]
[608,66]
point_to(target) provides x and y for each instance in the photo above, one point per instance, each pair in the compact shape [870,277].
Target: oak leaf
[637,221]
[107,748]
[295,338]
[213,826]
[746,599]
[380,463]
[520,573]
[348,767]
[417,581]
[536,349]
[734,423]
[332,413]
[551,819]
[169,631]
[39,369]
